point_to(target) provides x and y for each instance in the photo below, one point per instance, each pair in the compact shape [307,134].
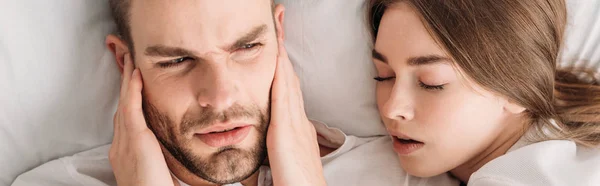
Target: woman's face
[437,118]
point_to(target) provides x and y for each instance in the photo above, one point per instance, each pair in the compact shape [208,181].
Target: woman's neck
[513,131]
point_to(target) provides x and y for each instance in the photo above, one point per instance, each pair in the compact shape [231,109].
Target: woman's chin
[420,170]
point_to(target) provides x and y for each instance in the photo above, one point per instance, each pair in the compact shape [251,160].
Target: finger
[119,130]
[135,115]
[115,141]
[291,76]
[292,80]
[279,87]
[121,144]
[115,128]
[127,70]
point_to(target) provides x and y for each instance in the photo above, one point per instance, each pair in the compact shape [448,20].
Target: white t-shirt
[547,163]
[355,162]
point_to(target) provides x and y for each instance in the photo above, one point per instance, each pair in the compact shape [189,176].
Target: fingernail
[134,72]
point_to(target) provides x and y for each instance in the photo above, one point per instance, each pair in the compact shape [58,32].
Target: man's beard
[228,164]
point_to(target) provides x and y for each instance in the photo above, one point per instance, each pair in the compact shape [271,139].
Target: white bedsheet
[356,162]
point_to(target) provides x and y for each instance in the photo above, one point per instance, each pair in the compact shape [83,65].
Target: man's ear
[118,48]
[279,15]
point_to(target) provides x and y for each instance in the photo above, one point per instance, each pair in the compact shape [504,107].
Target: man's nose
[218,88]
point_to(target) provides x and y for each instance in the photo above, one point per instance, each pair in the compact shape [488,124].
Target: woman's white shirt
[547,163]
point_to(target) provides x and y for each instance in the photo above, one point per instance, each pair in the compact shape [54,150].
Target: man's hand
[291,139]
[135,154]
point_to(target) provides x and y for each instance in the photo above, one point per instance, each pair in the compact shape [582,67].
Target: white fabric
[329,45]
[582,45]
[58,83]
[548,163]
[356,162]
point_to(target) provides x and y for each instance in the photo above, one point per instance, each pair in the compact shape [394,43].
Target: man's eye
[250,46]
[174,62]
[246,52]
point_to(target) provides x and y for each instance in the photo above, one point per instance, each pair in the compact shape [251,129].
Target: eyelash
[380,79]
[421,84]
[431,87]
[179,61]
[174,62]
[250,46]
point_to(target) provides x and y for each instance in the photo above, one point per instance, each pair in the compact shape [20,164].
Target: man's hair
[120,13]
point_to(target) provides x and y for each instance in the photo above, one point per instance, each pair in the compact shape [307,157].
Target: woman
[470,87]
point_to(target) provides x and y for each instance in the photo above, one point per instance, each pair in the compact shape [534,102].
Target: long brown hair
[511,47]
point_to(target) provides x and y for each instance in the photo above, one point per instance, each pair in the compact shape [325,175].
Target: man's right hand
[135,155]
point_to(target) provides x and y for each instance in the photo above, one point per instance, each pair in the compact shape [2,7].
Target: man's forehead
[201,22]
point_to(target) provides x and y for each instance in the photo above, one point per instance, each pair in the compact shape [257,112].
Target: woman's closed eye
[380,79]
[421,84]
[431,87]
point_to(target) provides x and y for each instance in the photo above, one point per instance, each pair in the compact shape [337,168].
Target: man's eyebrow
[414,61]
[249,37]
[166,51]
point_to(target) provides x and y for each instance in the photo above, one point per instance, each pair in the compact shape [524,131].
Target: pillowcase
[330,47]
[582,41]
[59,85]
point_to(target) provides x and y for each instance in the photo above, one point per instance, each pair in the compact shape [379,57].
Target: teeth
[226,130]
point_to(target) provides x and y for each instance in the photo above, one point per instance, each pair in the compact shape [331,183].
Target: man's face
[207,67]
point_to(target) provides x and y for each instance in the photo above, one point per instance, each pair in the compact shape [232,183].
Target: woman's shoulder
[553,162]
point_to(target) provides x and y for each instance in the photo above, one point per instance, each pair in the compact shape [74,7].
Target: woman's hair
[511,47]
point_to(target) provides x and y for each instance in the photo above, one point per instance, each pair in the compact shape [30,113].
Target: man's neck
[252,180]
[193,180]
[181,173]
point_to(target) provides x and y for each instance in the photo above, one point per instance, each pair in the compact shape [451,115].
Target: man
[207,69]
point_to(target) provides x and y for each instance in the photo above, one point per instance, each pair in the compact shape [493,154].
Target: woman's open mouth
[406,146]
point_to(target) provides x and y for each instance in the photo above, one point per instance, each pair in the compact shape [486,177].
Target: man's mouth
[221,127]
[226,130]
[224,136]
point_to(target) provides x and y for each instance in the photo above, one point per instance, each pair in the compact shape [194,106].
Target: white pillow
[330,48]
[582,45]
[58,83]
